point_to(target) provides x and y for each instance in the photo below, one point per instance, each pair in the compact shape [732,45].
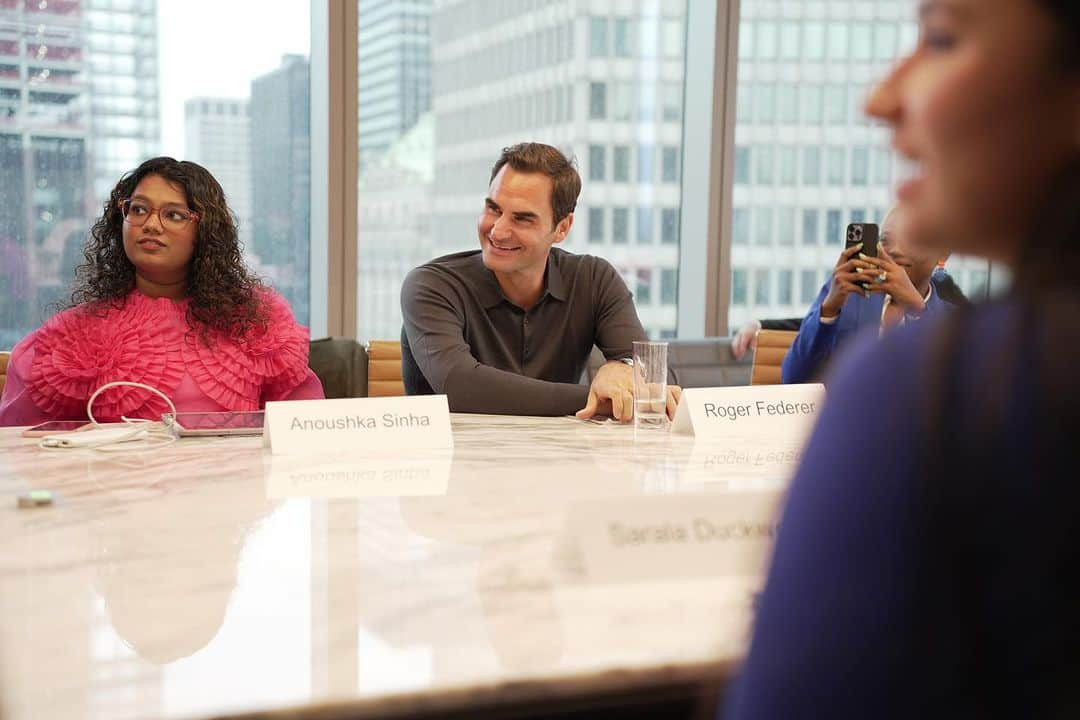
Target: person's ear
[562,229]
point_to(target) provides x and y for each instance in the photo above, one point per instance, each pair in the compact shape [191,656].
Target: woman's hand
[745,339]
[885,275]
[845,277]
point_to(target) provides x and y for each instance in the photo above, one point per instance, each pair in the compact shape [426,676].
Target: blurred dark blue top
[835,631]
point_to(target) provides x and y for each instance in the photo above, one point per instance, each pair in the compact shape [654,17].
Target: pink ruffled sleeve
[270,363]
[16,405]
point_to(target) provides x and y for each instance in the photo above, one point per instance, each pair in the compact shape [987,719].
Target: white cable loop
[152,433]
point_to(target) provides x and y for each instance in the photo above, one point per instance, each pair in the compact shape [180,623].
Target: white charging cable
[142,435]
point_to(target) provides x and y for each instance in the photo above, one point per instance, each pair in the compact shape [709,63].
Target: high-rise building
[807,160]
[44,134]
[217,134]
[605,85]
[121,40]
[394,70]
[281,169]
[78,108]
[394,228]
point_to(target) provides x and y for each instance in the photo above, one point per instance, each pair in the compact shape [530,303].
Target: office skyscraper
[217,135]
[281,168]
[394,70]
[603,86]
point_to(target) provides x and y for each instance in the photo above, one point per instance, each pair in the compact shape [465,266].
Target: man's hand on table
[612,393]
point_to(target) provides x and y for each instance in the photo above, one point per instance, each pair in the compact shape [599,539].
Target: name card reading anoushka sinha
[358,425]
[750,412]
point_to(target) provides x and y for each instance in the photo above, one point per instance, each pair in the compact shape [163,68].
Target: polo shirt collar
[490,293]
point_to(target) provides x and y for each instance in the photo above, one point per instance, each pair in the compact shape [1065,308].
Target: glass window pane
[598,36]
[810,226]
[789,40]
[597,161]
[835,159]
[620,225]
[763,154]
[787,101]
[833,233]
[669,286]
[836,104]
[809,287]
[669,226]
[597,101]
[812,105]
[621,163]
[744,108]
[784,281]
[882,166]
[643,287]
[785,226]
[596,225]
[763,226]
[762,286]
[741,226]
[644,225]
[766,40]
[742,165]
[788,165]
[861,41]
[884,41]
[811,166]
[838,41]
[623,100]
[746,39]
[624,41]
[765,102]
[670,170]
[814,41]
[646,163]
[860,165]
[738,286]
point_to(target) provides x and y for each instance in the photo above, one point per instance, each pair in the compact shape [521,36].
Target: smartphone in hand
[865,233]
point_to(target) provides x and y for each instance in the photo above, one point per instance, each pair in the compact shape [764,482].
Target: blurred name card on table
[359,426]
[344,475]
[750,412]
[672,536]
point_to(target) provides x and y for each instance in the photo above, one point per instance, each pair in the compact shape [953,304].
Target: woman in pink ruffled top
[163,299]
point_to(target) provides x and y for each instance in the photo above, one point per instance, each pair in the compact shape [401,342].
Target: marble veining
[211,578]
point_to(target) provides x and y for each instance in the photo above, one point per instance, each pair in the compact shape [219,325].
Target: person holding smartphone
[878,285]
[163,299]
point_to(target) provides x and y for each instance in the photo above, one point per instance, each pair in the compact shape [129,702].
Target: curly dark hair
[223,292]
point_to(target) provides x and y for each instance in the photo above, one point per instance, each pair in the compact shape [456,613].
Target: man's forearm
[484,389]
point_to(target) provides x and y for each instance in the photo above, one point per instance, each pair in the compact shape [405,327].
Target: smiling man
[508,328]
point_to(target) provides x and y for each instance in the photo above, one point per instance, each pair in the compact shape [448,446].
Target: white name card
[777,413]
[671,536]
[358,425]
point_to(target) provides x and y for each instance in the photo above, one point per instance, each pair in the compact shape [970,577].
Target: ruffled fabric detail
[78,351]
[267,363]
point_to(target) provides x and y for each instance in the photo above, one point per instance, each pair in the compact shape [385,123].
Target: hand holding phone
[861,238]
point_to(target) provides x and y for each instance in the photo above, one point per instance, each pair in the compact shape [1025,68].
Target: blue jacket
[817,341]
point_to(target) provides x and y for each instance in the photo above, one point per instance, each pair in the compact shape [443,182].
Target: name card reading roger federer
[775,412]
[358,425]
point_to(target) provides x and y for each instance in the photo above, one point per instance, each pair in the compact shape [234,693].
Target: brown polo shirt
[490,356]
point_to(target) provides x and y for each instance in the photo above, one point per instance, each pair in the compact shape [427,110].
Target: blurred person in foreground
[925,566]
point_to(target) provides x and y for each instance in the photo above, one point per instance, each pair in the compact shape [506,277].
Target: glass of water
[650,385]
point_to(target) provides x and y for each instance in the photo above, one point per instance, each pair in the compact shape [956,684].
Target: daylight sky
[214,48]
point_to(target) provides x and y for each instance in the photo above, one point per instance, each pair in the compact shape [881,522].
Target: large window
[88,90]
[603,84]
[807,67]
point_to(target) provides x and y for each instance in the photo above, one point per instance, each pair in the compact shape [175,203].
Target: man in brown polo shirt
[508,328]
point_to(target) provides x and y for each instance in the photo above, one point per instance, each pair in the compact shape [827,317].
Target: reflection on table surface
[210,577]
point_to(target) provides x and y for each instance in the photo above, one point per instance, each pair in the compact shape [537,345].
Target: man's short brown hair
[540,158]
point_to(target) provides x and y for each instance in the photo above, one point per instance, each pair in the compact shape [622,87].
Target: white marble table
[211,579]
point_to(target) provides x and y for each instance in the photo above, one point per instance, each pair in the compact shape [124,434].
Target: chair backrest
[341,364]
[384,368]
[772,347]
[4,357]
